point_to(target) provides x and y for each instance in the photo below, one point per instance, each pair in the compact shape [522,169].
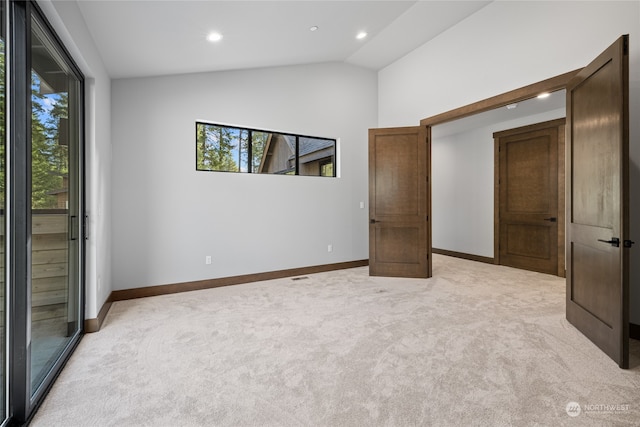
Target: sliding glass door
[55,202]
[3,252]
[41,208]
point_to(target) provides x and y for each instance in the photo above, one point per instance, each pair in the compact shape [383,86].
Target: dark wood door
[399,227]
[529,200]
[598,195]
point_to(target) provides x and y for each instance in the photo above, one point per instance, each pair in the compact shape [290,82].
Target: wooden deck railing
[49,259]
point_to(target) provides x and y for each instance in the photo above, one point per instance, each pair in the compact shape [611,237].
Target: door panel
[55,205]
[529,240]
[597,190]
[396,180]
[528,197]
[528,180]
[590,295]
[396,244]
[398,203]
[596,152]
[3,240]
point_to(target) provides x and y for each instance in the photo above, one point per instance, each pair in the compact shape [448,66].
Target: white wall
[462,186]
[167,216]
[507,45]
[67,21]
[462,193]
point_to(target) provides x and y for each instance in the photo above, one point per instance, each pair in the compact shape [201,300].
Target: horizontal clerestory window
[234,149]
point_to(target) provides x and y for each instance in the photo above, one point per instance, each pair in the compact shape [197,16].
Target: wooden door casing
[598,202]
[529,197]
[399,224]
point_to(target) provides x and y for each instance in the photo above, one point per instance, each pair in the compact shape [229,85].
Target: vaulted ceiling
[159,37]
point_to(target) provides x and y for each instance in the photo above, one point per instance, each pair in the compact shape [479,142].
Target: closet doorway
[598,237]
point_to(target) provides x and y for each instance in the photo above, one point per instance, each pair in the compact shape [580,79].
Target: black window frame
[23,401]
[249,152]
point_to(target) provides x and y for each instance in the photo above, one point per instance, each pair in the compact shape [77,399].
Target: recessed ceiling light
[544,95]
[214,37]
[361,35]
[314,28]
[512,106]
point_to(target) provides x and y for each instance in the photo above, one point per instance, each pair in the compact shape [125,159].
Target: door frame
[517,95]
[557,123]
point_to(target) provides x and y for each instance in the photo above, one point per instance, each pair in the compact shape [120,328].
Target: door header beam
[516,95]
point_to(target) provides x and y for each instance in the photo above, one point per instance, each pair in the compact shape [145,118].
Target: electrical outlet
[329,248]
[207,260]
[361,205]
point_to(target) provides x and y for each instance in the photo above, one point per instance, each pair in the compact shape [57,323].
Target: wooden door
[530,201]
[598,195]
[399,224]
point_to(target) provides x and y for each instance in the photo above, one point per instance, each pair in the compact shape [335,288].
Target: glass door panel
[55,204]
[3,312]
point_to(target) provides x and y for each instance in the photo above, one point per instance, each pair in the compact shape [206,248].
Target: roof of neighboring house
[291,142]
[311,145]
[307,145]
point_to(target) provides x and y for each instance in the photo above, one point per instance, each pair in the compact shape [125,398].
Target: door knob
[552,219]
[615,242]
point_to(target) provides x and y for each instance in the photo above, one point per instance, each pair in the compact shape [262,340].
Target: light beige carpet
[476,345]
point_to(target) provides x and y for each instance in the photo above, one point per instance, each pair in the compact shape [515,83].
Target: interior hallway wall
[507,45]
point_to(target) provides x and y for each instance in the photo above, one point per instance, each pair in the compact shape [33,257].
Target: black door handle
[552,219]
[373,221]
[73,228]
[615,242]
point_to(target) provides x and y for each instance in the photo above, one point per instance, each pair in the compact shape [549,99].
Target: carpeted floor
[476,345]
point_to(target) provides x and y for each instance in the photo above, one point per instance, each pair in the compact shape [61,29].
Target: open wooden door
[597,200]
[399,223]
